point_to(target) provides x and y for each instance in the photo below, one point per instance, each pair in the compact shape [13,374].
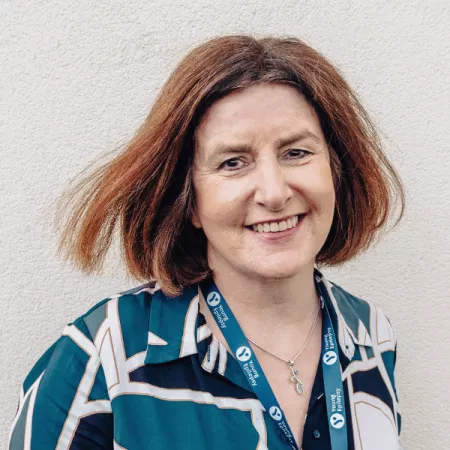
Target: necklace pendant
[294,379]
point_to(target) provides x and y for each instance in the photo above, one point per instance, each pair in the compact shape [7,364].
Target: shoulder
[124,314]
[363,316]
[70,384]
[127,311]
[371,362]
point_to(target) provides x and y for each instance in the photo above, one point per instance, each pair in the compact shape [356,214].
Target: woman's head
[261,159]
[151,186]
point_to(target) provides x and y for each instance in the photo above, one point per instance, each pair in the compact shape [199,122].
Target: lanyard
[334,392]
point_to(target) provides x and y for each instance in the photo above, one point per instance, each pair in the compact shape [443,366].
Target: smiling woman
[256,166]
[280,170]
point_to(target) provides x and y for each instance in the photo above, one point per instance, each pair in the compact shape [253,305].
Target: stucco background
[77,79]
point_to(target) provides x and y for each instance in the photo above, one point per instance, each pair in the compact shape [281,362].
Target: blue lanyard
[239,345]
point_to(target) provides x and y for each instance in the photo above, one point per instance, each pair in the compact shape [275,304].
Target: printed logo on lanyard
[330,357]
[243,353]
[213,299]
[275,413]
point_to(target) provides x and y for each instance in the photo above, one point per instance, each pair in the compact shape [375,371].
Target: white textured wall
[77,78]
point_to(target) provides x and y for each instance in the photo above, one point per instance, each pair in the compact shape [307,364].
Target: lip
[280,219]
[268,236]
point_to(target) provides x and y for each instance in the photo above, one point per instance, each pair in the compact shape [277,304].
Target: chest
[180,405]
[285,384]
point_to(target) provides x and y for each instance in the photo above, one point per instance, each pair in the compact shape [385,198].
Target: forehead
[262,111]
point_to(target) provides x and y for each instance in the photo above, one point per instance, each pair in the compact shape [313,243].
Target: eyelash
[222,166]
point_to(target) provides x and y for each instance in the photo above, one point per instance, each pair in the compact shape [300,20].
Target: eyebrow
[282,142]
[302,136]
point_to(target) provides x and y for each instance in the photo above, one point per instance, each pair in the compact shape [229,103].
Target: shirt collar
[350,316]
[174,329]
[172,326]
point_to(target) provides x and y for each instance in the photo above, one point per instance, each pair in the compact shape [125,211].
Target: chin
[279,271]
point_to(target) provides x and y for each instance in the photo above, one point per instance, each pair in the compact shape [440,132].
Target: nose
[272,189]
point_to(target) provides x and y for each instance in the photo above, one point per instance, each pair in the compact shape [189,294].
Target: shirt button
[316,434]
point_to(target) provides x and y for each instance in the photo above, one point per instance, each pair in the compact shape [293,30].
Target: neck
[288,305]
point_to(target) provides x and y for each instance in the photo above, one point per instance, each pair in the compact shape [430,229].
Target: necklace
[291,362]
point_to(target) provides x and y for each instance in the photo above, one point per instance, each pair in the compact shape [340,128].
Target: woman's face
[261,158]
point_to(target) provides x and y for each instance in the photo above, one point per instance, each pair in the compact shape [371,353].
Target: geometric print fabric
[140,370]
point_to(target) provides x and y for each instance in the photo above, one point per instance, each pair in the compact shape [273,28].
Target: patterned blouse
[142,371]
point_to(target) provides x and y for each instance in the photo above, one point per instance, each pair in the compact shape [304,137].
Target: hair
[148,185]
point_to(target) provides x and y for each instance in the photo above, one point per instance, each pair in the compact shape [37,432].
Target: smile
[276,227]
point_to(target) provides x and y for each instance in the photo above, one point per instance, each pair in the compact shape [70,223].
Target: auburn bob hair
[148,187]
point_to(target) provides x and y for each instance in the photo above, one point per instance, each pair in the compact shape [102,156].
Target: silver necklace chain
[301,350]
[295,372]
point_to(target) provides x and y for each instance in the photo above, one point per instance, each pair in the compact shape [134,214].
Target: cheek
[328,200]
[325,182]
[219,200]
[317,184]
[331,190]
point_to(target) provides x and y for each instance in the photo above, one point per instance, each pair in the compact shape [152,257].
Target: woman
[256,164]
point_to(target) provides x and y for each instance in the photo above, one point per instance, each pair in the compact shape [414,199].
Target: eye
[297,153]
[232,164]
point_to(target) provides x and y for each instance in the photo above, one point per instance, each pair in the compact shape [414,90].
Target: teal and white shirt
[143,371]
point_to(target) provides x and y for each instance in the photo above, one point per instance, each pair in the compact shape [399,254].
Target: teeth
[274,227]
